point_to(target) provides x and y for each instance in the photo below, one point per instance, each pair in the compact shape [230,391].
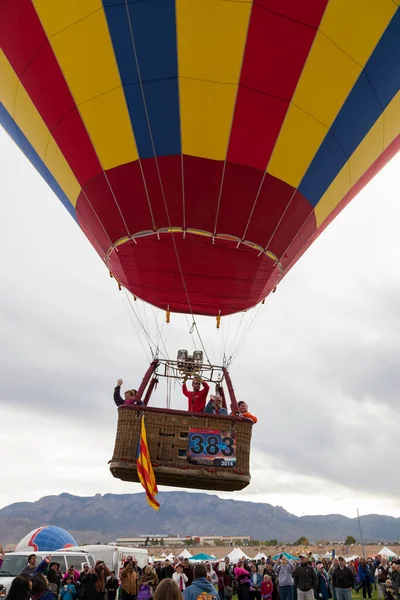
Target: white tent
[170,557]
[350,558]
[236,555]
[387,552]
[185,554]
[259,556]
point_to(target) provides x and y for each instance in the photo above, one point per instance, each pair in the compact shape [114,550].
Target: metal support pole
[150,389]
[361,536]
[146,379]
[231,391]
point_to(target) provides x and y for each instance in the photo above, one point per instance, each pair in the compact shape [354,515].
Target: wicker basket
[167,438]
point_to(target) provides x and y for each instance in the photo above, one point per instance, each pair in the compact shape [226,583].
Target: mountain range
[104,518]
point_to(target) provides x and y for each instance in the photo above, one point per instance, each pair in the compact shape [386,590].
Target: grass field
[359,596]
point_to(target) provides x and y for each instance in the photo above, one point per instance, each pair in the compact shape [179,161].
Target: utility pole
[361,537]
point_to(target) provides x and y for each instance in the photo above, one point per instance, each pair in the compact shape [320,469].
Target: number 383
[209,444]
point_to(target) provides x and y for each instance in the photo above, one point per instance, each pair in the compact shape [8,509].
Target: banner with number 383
[212,448]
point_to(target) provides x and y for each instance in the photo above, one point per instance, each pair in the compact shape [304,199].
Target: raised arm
[117,393]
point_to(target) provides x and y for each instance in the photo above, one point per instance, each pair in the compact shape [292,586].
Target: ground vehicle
[14,563]
[114,556]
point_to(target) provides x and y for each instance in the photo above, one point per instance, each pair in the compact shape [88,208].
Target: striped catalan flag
[145,469]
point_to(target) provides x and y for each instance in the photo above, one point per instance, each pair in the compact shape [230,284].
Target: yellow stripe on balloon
[356,26]
[21,108]
[339,53]
[380,136]
[81,42]
[211,36]
[8,84]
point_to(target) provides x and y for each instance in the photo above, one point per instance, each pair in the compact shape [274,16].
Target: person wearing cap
[305,579]
[196,398]
[201,587]
[343,580]
[179,577]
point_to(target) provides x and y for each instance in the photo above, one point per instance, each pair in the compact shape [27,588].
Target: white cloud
[319,367]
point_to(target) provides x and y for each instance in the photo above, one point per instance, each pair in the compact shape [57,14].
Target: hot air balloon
[201,141]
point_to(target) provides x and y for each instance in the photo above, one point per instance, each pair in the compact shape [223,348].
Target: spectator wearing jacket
[322,591]
[73,573]
[343,580]
[214,406]
[242,581]
[305,579]
[266,588]
[200,585]
[395,578]
[87,580]
[382,574]
[166,571]
[68,590]
[112,586]
[284,571]
[129,395]
[365,577]
[54,577]
[244,412]
[255,583]
[225,585]
[188,571]
[39,588]
[102,572]
[129,581]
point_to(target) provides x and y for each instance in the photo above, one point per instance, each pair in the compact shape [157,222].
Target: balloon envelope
[202,145]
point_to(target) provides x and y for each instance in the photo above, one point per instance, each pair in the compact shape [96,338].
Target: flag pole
[361,536]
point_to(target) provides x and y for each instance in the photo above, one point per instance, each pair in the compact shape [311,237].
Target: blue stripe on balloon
[377,85]
[153,24]
[19,138]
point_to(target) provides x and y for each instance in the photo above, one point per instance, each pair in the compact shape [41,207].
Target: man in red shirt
[196,399]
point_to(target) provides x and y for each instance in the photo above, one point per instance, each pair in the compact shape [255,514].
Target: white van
[15,562]
[114,556]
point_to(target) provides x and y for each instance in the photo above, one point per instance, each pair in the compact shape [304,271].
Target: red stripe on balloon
[309,13]
[276,50]
[35,63]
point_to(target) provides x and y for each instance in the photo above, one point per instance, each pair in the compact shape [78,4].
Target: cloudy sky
[319,367]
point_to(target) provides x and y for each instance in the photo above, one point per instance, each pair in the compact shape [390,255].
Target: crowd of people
[282,579]
[197,399]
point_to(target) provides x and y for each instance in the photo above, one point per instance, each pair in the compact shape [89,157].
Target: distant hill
[104,518]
